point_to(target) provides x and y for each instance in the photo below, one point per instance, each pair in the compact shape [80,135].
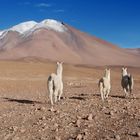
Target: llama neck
[107,75]
[59,72]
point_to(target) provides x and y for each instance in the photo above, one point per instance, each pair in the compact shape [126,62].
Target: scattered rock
[78,122]
[90,117]
[16,138]
[22,130]
[56,125]
[52,109]
[42,118]
[13,128]
[57,138]
[111,113]
[79,117]
[85,132]
[79,137]
[117,137]
[43,108]
[138,134]
[134,134]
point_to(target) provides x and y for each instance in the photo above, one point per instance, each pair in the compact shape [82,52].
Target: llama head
[124,71]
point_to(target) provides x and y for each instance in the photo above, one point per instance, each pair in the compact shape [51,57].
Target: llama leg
[60,92]
[102,95]
[51,96]
[105,94]
[101,91]
[108,91]
[55,95]
[126,93]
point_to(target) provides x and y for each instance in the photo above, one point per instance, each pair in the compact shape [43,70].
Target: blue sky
[117,21]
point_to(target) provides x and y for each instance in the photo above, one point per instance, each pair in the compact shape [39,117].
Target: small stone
[85,132]
[22,130]
[57,138]
[138,134]
[78,117]
[16,138]
[79,137]
[13,128]
[56,125]
[117,137]
[134,133]
[111,113]
[43,108]
[90,117]
[52,109]
[43,118]
[78,122]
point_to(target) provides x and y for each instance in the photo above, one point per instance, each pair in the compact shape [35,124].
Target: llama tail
[51,83]
[100,82]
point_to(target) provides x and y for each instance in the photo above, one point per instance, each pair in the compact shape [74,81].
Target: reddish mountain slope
[70,46]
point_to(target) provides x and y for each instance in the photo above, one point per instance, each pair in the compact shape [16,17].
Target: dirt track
[25,108]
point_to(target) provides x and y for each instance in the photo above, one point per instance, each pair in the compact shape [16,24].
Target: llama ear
[57,63]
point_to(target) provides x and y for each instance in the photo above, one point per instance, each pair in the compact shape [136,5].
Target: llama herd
[55,84]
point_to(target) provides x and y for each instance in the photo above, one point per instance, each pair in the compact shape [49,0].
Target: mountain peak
[54,24]
[29,26]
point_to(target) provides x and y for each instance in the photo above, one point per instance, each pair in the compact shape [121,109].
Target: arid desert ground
[26,114]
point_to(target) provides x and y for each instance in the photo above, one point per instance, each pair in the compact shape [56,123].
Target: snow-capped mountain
[55,40]
[23,27]
[28,27]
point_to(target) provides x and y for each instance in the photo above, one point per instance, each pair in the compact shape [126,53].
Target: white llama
[105,85]
[55,84]
[127,82]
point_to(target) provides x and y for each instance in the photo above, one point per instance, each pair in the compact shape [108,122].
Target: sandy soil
[25,111]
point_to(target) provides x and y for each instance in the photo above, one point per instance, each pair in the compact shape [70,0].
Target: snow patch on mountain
[23,27]
[55,25]
[1,32]
[27,28]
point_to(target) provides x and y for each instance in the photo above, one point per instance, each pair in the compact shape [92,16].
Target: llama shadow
[21,101]
[117,96]
[123,97]
[83,94]
[77,98]
[97,94]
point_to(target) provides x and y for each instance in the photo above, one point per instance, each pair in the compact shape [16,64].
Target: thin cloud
[41,5]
